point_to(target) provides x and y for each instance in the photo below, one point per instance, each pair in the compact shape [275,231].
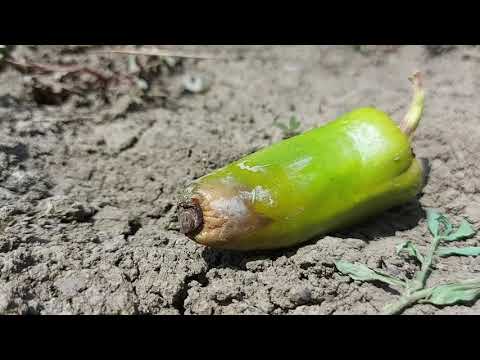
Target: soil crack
[182,294]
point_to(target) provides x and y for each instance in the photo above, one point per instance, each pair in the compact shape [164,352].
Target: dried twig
[68,70]
[164,53]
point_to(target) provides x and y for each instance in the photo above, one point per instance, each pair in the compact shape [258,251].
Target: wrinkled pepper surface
[323,180]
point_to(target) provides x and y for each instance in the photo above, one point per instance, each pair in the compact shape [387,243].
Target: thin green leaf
[294,124]
[438,224]
[464,231]
[447,226]
[411,250]
[361,272]
[465,251]
[433,222]
[449,294]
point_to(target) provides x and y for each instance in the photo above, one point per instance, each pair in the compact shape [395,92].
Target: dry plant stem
[414,114]
[164,53]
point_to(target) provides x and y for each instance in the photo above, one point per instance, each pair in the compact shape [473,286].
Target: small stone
[196,83]
[300,295]
[68,210]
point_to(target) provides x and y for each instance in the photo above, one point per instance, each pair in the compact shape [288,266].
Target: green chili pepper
[325,179]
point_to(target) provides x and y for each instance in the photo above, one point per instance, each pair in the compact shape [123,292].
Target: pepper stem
[414,114]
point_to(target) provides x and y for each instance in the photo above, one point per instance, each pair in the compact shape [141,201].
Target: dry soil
[94,150]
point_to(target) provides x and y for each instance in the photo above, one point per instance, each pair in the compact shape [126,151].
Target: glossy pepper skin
[325,179]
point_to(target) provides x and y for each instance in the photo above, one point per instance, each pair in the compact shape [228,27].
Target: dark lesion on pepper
[190,216]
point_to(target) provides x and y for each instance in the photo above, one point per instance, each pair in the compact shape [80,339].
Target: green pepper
[326,179]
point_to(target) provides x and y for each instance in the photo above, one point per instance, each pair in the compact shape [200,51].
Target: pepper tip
[416,79]
[190,217]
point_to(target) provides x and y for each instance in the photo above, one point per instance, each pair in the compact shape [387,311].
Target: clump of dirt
[95,147]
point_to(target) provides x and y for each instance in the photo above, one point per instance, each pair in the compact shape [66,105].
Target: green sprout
[362,49]
[290,130]
[3,52]
[414,291]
